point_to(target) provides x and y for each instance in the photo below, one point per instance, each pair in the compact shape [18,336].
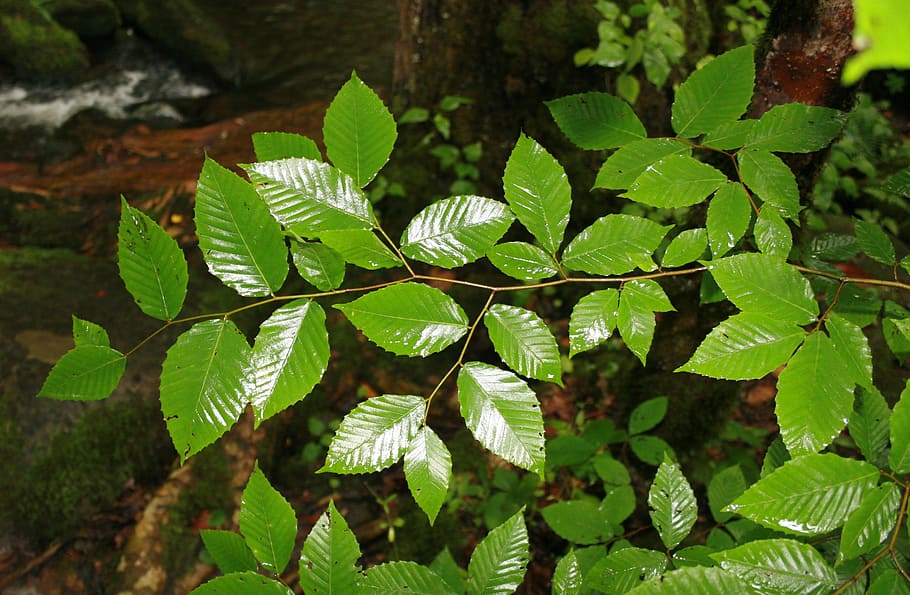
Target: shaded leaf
[229,551]
[899,458]
[524,342]
[770,178]
[408,319]
[538,192]
[446,567]
[775,456]
[614,245]
[687,247]
[631,160]
[596,120]
[242,244]
[672,504]
[871,523]
[853,348]
[375,434]
[870,424]
[270,146]
[796,128]
[360,247]
[428,469]
[499,560]
[503,414]
[695,580]
[593,320]
[624,569]
[729,214]
[321,266]
[874,242]
[359,132]
[455,231]
[731,135]
[328,560]
[807,495]
[725,487]
[646,415]
[402,578]
[781,566]
[567,576]
[522,261]
[84,373]
[675,181]
[650,449]
[202,384]
[151,264]
[289,357]
[578,521]
[267,522]
[248,583]
[638,301]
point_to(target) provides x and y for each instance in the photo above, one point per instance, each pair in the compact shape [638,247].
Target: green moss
[36,46]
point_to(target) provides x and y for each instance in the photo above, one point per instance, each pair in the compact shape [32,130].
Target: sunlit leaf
[524,342]
[567,576]
[538,192]
[522,261]
[402,578]
[771,179]
[762,284]
[899,458]
[779,566]
[624,569]
[328,560]
[267,522]
[375,434]
[745,346]
[614,245]
[716,94]
[729,214]
[455,231]
[446,567]
[880,33]
[428,468]
[85,373]
[503,414]
[202,384]
[248,583]
[796,128]
[852,346]
[687,247]
[672,503]
[408,319]
[289,357]
[89,333]
[772,234]
[871,523]
[596,120]
[638,301]
[814,398]
[229,551]
[320,265]
[270,146]
[359,132]
[151,263]
[241,242]
[360,247]
[631,160]
[499,560]
[807,495]
[675,181]
[695,580]
[593,320]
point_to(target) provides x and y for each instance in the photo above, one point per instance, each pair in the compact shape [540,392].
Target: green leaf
[870,424]
[522,261]
[428,469]
[898,183]
[852,346]
[248,583]
[359,132]
[762,284]
[618,503]
[781,566]
[321,266]
[310,196]
[270,146]
[675,181]
[871,523]
[538,192]
[503,414]
[744,346]
[638,301]
[375,434]
[267,522]
[796,128]
[833,246]
[695,580]
[202,384]
[596,121]
[729,214]
[874,242]
[646,415]
[360,247]
[725,487]
[499,561]
[672,504]
[402,578]
[775,456]
[687,247]
[650,449]
[611,471]
[89,333]
[241,242]
[151,263]
[524,342]
[716,94]
[328,560]
[772,235]
[446,567]
[770,178]
[899,458]
[408,319]
[880,33]
[614,245]
[229,551]
[569,450]
[593,320]
[731,135]
[455,231]
[624,569]
[567,576]
[85,373]
[631,160]
[889,582]
[289,357]
[578,521]
[814,397]
[807,495]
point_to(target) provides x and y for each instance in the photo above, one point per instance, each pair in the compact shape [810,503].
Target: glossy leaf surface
[593,320]
[567,577]
[524,342]
[360,247]
[248,583]
[328,560]
[871,523]
[672,503]
[632,159]
[852,346]
[85,373]
[796,128]
[408,319]
[267,522]
[685,248]
[428,469]
[696,580]
[638,301]
[675,181]
[765,285]
[402,578]
[771,179]
[772,234]
[624,569]
[522,261]
[779,566]
[89,333]
[729,214]
[596,120]
[270,146]
[614,245]
[321,266]
[499,560]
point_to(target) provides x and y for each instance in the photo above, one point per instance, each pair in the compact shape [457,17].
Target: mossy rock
[87,18]
[36,46]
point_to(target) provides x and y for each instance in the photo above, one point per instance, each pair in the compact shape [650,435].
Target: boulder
[86,18]
[36,46]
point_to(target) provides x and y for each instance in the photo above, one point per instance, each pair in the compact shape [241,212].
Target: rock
[87,18]
[36,46]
